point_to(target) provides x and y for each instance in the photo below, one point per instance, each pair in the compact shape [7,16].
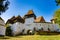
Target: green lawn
[33,37]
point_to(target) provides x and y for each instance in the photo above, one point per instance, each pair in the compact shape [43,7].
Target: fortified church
[29,22]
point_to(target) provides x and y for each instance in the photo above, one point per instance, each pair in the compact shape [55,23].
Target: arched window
[34,28]
[41,29]
[23,31]
[48,29]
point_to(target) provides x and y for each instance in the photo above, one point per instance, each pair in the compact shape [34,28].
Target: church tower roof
[30,14]
[40,20]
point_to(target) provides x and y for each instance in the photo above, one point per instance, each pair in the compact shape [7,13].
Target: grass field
[32,37]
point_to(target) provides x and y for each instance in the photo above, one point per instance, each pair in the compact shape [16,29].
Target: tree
[3,6]
[57,16]
[58,2]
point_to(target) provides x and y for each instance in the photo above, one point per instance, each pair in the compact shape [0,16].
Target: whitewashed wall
[45,26]
[18,27]
[28,27]
[2,28]
[29,20]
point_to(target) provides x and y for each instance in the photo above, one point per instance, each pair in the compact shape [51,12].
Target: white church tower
[29,21]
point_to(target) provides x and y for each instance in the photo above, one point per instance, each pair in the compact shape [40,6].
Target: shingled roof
[1,19]
[15,19]
[18,19]
[39,20]
[30,14]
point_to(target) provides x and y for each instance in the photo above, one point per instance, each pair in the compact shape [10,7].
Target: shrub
[8,31]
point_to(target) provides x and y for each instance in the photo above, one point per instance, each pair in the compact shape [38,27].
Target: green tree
[3,6]
[58,2]
[57,16]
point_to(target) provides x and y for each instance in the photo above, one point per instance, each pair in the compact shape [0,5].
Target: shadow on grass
[16,36]
[4,38]
[49,34]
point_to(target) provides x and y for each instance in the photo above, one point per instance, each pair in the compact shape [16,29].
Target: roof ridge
[40,19]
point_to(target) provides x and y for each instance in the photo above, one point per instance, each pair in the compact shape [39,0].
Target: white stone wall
[18,27]
[2,30]
[28,27]
[2,27]
[29,20]
[45,26]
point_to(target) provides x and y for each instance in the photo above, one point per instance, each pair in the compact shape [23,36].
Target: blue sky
[45,8]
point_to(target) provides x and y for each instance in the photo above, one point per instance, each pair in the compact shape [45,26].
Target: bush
[8,31]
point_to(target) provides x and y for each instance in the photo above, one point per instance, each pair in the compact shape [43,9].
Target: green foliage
[58,2]
[6,25]
[8,31]
[57,16]
[3,6]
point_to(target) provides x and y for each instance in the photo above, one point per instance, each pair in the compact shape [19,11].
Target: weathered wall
[29,20]
[18,27]
[2,28]
[45,26]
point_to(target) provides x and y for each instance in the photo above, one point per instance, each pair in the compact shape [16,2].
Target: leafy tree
[3,6]
[57,16]
[58,2]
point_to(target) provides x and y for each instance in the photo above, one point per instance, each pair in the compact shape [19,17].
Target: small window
[48,29]
[41,29]
[40,24]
